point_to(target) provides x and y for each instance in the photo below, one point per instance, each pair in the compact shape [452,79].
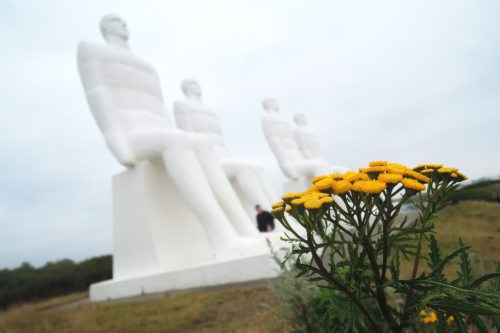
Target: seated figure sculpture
[124,95]
[249,177]
[282,141]
[308,142]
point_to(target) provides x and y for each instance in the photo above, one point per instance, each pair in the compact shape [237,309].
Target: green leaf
[459,323]
[479,323]
[394,267]
[464,291]
[465,269]
[438,268]
[484,278]
[434,253]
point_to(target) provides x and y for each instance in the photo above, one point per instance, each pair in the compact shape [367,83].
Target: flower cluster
[430,317]
[373,180]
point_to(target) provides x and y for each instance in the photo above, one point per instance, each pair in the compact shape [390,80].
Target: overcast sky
[408,81]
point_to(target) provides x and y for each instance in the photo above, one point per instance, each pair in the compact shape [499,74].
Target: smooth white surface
[280,137]
[173,207]
[308,142]
[124,95]
[215,273]
[193,116]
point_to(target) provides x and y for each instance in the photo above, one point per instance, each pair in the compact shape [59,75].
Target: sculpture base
[159,245]
[208,274]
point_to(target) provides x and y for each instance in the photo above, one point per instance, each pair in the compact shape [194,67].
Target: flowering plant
[348,234]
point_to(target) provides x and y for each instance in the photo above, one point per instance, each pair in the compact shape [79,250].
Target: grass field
[229,310]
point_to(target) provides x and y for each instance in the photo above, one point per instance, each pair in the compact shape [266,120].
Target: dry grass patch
[230,311]
[478,224]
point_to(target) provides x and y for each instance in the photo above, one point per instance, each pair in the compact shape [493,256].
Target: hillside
[232,310]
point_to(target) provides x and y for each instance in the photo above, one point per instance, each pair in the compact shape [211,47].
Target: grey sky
[408,81]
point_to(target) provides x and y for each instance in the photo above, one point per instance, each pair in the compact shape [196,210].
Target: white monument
[308,141]
[248,177]
[298,154]
[177,221]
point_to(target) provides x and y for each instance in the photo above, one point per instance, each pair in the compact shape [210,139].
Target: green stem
[326,275]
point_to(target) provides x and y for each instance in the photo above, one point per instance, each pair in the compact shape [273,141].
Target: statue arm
[277,147]
[182,118]
[100,101]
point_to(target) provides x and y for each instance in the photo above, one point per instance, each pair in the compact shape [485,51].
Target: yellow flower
[396,168]
[278,204]
[426,171]
[373,186]
[298,202]
[447,170]
[453,173]
[288,209]
[418,176]
[341,187]
[291,196]
[352,176]
[357,186]
[311,196]
[277,211]
[377,163]
[323,184]
[376,168]
[431,318]
[319,195]
[363,176]
[450,320]
[317,179]
[423,313]
[412,184]
[427,166]
[326,200]
[336,176]
[313,204]
[391,178]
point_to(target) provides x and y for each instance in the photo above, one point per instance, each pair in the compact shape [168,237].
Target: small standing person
[265,221]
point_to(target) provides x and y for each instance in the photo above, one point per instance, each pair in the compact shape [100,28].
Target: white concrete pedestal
[159,245]
[208,274]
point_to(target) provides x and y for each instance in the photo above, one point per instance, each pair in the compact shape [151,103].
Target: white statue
[308,141]
[281,139]
[192,116]
[125,97]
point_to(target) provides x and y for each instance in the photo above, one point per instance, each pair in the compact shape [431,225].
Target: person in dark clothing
[265,221]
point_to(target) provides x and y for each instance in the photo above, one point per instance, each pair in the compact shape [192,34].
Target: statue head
[270,105]
[114,30]
[300,120]
[191,89]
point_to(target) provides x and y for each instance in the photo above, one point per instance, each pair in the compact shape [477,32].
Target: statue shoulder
[87,50]
[180,106]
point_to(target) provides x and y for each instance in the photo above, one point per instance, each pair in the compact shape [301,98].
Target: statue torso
[193,116]
[280,136]
[308,143]
[122,86]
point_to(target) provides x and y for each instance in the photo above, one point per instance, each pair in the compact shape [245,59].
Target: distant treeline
[26,283]
[484,190]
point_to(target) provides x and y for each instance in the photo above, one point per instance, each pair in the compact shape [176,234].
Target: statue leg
[250,186]
[222,189]
[264,185]
[183,166]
